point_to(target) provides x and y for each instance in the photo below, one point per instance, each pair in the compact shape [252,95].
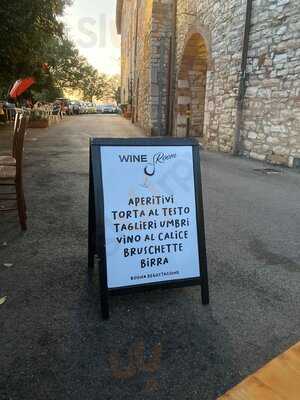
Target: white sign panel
[149,214]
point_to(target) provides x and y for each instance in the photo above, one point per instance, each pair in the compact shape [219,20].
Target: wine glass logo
[150,169]
[146,182]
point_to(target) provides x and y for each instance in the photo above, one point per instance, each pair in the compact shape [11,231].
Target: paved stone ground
[53,342]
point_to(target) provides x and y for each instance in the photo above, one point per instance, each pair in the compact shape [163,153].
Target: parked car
[9,105]
[99,108]
[77,109]
[109,109]
[8,110]
[56,108]
[91,108]
[83,107]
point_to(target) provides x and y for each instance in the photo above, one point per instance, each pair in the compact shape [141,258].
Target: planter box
[43,123]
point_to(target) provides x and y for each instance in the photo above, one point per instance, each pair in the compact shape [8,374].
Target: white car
[109,109]
[99,108]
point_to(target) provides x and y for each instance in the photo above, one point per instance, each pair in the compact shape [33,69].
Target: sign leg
[205,292]
[103,293]
[92,226]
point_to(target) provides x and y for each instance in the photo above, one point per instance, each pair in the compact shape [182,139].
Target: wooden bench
[278,380]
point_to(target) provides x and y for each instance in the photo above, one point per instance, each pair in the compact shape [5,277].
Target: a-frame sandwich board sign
[146,218]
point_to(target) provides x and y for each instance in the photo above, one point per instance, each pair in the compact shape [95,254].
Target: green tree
[113,89]
[27,26]
[91,82]
[31,36]
[64,62]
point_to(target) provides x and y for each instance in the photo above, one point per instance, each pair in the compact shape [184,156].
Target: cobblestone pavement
[160,344]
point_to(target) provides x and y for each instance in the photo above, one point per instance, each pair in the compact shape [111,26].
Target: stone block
[184,100]
[252,135]
[279,159]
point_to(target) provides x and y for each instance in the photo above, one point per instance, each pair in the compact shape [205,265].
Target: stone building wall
[145,48]
[270,124]
[271,128]
[219,24]
[135,29]
[142,65]
[126,51]
[161,43]
[207,73]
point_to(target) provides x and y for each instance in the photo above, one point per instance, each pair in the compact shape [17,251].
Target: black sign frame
[96,228]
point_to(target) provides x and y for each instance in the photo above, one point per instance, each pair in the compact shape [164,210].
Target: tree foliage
[32,35]
[91,83]
[113,89]
[26,27]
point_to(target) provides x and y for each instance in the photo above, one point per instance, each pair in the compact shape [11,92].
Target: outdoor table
[278,380]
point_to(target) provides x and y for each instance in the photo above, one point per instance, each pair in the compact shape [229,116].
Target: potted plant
[38,119]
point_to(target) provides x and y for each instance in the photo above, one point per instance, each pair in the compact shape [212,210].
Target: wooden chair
[12,175]
[10,160]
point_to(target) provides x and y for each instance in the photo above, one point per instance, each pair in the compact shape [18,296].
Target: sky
[91,25]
